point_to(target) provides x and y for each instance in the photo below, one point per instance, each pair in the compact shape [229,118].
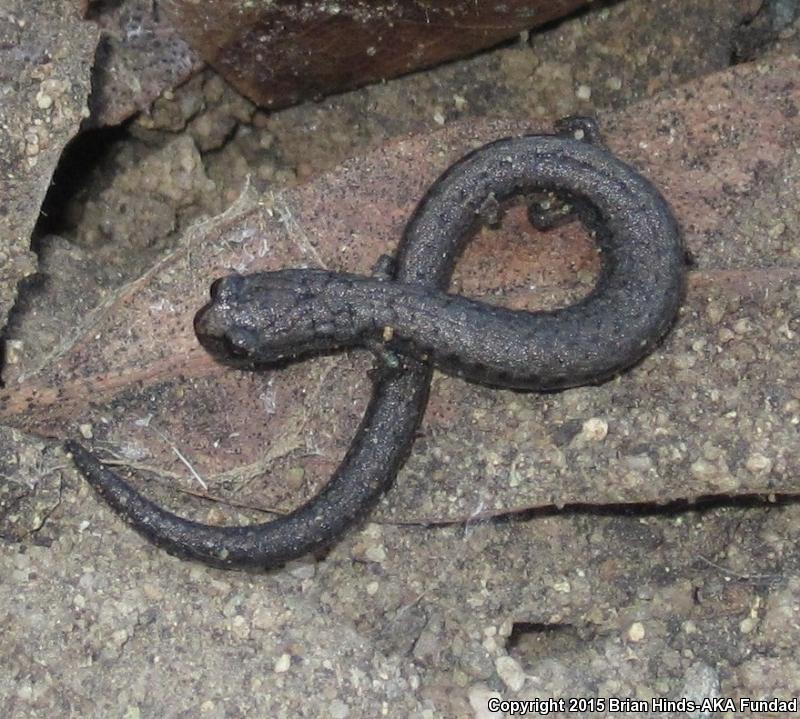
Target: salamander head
[265,317]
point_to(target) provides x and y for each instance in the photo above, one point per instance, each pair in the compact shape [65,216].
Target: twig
[738,575]
[182,458]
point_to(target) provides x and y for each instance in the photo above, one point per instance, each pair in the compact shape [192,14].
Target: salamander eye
[228,287]
[215,285]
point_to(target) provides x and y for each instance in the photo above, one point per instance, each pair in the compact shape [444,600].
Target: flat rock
[141,55]
[46,55]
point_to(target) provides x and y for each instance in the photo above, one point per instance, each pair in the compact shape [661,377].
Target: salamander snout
[264,318]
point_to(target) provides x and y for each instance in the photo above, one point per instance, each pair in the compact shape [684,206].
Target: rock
[46,54]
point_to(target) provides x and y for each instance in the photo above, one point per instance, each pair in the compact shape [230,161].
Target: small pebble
[376,553]
[636,632]
[338,709]
[563,586]
[511,672]
[479,696]
[43,101]
[758,463]
[594,429]
[282,664]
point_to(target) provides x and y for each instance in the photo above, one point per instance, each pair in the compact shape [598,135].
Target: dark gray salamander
[266,317]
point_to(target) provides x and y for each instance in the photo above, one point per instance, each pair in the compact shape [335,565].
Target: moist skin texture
[405,315]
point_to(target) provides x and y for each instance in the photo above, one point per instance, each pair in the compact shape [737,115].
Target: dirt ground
[416,618]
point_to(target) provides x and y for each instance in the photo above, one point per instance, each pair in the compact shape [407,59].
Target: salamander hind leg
[547,210]
[580,127]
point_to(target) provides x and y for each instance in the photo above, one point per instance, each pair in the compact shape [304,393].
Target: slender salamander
[414,325]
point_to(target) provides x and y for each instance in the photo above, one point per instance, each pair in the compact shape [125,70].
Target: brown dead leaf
[280,53]
[715,410]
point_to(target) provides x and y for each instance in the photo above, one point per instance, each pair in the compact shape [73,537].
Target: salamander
[405,315]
